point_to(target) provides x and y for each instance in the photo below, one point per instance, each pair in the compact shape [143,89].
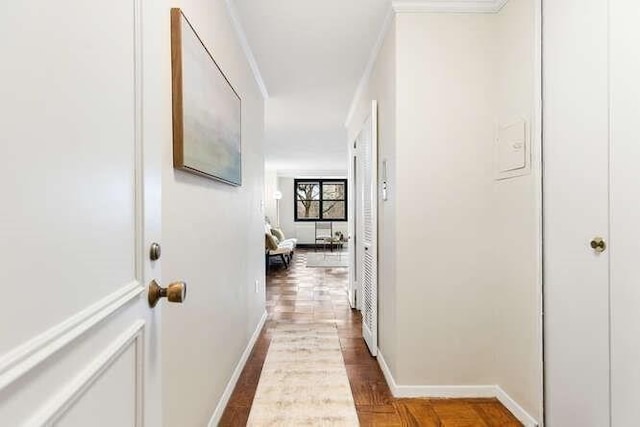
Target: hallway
[304,295]
[478,159]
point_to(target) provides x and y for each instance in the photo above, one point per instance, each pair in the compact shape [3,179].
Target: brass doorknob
[175,292]
[598,244]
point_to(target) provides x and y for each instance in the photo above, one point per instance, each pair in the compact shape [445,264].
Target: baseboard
[446,391]
[391,382]
[224,399]
[455,391]
[517,410]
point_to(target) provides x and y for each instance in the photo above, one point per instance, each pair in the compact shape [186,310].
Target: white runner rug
[304,381]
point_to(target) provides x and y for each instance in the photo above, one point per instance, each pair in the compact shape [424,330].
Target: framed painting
[206,109]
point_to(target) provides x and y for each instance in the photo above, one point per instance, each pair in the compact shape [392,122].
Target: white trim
[536,161]
[370,64]
[446,391]
[499,4]
[440,6]
[455,391]
[244,43]
[138,64]
[73,391]
[28,355]
[224,399]
[513,407]
[351,232]
[391,382]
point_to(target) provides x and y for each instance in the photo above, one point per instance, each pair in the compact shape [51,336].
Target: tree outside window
[320,199]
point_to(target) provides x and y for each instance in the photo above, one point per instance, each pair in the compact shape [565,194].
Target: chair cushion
[270,242]
[279,251]
[278,233]
[286,245]
[293,242]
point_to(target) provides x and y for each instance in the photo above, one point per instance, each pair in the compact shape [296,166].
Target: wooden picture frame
[206,108]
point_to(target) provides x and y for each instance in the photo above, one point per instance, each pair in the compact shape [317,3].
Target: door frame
[537,169]
[352,224]
[371,120]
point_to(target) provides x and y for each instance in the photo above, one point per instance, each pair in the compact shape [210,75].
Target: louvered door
[369,240]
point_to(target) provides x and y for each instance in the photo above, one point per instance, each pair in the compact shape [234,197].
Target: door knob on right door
[598,244]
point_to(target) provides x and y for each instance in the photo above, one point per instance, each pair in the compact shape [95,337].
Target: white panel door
[80,207]
[368,147]
[576,209]
[625,212]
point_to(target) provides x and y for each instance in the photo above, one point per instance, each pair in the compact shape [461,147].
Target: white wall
[212,239]
[270,187]
[382,87]
[285,185]
[459,252]
[480,277]
[445,296]
[516,215]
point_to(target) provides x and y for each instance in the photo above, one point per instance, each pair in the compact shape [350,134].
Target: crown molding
[248,53]
[448,6]
[373,56]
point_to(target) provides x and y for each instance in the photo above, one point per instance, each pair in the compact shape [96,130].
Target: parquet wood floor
[301,294]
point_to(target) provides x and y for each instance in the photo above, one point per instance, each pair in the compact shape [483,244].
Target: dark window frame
[320,182]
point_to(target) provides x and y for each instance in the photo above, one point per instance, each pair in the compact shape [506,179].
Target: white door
[591,175]
[576,209]
[368,148]
[624,30]
[79,345]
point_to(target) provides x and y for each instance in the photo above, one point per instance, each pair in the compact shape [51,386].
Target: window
[320,199]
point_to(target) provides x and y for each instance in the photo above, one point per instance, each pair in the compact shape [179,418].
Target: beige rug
[328,259]
[304,381]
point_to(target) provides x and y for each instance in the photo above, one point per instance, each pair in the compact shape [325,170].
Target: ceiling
[311,56]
